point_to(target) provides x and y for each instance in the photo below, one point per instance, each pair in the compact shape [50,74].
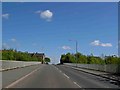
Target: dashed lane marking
[65,75]
[77,84]
[60,70]
[69,78]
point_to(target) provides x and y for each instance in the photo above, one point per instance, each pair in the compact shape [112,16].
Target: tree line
[11,54]
[88,59]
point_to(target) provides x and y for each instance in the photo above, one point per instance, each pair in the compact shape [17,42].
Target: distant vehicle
[59,64]
[46,63]
[42,62]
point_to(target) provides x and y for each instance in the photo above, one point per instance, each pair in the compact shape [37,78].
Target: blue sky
[48,27]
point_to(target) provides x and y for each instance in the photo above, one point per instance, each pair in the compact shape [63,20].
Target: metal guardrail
[6,64]
[110,68]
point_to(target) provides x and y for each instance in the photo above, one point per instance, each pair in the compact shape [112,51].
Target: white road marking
[17,81]
[68,78]
[56,67]
[60,70]
[65,75]
[77,84]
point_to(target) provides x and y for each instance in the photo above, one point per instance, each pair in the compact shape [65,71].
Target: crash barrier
[110,68]
[7,64]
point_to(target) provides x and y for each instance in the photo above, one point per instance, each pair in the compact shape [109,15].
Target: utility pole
[76,47]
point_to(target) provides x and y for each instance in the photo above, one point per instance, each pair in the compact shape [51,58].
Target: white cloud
[38,12]
[98,43]
[47,14]
[5,46]
[66,47]
[95,43]
[106,44]
[13,40]
[5,16]
[34,44]
[14,43]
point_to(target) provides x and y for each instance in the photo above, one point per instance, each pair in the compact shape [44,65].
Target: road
[50,76]
[86,80]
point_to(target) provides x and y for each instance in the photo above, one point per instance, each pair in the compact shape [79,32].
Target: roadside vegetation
[47,59]
[10,54]
[89,59]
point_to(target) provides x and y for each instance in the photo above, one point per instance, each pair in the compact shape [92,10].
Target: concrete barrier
[7,64]
[110,68]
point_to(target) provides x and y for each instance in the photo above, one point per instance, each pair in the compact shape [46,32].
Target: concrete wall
[6,64]
[110,68]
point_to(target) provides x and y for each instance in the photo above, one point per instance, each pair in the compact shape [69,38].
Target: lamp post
[76,47]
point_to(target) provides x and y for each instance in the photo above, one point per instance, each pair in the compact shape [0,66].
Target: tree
[47,59]
[11,54]
[80,58]
[62,59]
[111,60]
[91,59]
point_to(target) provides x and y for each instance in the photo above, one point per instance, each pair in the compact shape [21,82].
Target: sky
[54,28]
[60,0]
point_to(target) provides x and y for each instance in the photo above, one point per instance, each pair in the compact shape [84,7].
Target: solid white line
[14,83]
[65,75]
[77,84]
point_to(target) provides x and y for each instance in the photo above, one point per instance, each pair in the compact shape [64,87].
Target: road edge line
[22,78]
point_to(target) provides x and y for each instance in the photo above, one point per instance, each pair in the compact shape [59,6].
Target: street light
[76,45]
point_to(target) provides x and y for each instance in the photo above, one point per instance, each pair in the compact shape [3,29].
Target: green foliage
[83,59]
[112,60]
[80,58]
[68,58]
[18,56]
[47,59]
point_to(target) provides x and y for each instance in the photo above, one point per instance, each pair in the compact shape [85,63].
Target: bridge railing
[110,68]
[6,64]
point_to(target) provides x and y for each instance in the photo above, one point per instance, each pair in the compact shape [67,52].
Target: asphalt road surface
[86,80]
[50,76]
[43,76]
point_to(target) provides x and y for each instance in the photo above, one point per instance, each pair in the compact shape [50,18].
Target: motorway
[52,76]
